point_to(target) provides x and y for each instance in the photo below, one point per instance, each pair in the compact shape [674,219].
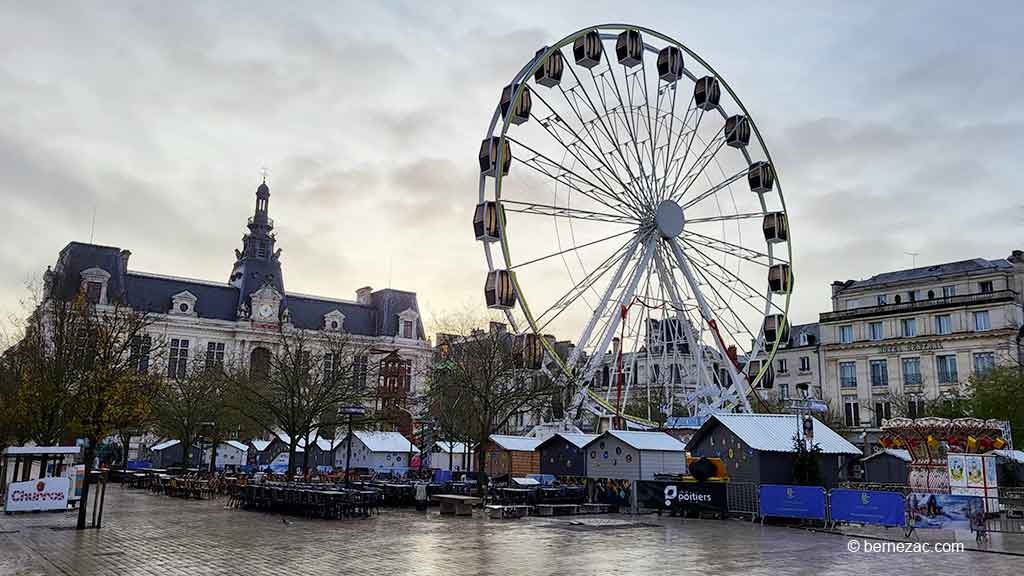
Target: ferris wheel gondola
[645,217]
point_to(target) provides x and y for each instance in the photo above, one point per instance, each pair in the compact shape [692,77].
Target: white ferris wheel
[628,200]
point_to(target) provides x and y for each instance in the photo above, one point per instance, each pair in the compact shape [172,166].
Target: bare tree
[308,377]
[482,380]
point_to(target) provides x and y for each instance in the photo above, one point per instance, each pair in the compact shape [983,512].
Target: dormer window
[183,304]
[334,320]
[407,324]
[94,285]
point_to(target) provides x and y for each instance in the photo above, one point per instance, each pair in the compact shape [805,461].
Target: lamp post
[350,411]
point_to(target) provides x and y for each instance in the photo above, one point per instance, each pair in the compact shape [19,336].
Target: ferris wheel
[628,201]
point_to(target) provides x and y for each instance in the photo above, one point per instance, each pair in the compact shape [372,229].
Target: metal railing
[742,498]
[934,303]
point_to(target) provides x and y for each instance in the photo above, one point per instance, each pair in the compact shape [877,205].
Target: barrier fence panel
[682,496]
[742,498]
[790,501]
[867,507]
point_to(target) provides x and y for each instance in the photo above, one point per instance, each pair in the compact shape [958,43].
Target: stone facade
[242,319]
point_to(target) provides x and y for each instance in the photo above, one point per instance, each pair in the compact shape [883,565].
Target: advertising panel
[974,470]
[43,494]
[792,501]
[683,496]
[957,470]
[867,507]
[948,511]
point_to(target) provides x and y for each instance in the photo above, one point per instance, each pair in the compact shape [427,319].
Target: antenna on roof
[914,255]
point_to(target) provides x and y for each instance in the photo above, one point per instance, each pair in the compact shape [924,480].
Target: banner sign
[44,494]
[867,507]
[682,496]
[949,511]
[792,501]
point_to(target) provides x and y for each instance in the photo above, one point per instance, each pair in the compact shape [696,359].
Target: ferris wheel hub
[669,219]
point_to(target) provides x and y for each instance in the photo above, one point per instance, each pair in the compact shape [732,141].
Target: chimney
[1016,257]
[363,295]
[125,254]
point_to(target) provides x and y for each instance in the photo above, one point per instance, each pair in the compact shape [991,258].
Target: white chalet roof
[165,444]
[41,450]
[775,432]
[516,443]
[260,445]
[646,440]
[577,440]
[1015,455]
[385,442]
[237,444]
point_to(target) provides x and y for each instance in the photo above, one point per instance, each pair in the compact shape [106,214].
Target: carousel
[930,440]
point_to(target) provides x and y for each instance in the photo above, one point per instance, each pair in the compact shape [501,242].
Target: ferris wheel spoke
[669,149]
[623,298]
[681,186]
[566,212]
[684,265]
[696,347]
[547,167]
[572,249]
[753,290]
[748,254]
[724,303]
[639,195]
[716,188]
[725,218]
[629,114]
[678,163]
[556,122]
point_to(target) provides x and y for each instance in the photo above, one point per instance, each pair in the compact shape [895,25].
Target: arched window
[259,363]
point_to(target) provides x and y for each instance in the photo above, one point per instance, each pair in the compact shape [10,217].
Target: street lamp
[350,411]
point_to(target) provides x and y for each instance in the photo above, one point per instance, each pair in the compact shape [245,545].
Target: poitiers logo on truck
[673,493]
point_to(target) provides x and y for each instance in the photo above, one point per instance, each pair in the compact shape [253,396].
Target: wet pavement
[147,534]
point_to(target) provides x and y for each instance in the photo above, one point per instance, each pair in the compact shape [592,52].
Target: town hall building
[207,321]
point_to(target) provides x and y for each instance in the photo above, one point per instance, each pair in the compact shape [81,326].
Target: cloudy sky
[895,127]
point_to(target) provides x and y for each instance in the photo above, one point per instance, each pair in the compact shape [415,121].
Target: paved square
[146,534]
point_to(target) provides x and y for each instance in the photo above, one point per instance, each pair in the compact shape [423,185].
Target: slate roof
[658,441]
[516,443]
[219,300]
[385,442]
[577,440]
[774,433]
[796,330]
[962,267]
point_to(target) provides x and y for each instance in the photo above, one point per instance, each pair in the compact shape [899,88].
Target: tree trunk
[291,460]
[213,458]
[480,466]
[305,461]
[124,452]
[83,504]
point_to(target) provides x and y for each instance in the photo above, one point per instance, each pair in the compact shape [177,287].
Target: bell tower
[258,263]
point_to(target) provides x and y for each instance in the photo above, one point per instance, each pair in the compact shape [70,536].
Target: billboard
[683,496]
[43,494]
[948,511]
[867,507]
[792,501]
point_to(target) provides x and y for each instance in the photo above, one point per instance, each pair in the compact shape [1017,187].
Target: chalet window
[851,411]
[177,362]
[93,290]
[139,356]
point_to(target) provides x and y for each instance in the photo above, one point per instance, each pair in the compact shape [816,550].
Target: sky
[895,128]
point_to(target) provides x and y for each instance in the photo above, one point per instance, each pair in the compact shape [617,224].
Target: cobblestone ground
[145,534]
